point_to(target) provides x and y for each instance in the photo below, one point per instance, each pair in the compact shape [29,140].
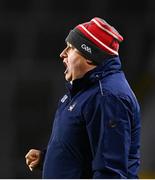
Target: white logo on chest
[64,98]
[71,107]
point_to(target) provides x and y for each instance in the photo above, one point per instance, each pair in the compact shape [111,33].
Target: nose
[63,54]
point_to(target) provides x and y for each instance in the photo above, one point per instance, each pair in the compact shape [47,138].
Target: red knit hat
[95,39]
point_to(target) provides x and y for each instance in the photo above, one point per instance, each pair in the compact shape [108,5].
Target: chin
[68,78]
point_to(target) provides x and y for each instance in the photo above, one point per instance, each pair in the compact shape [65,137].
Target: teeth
[66,71]
[65,67]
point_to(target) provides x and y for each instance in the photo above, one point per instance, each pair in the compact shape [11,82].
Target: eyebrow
[70,45]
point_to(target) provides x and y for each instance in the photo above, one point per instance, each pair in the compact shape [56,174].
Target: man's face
[76,65]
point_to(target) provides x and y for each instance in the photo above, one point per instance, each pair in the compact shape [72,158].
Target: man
[96,131]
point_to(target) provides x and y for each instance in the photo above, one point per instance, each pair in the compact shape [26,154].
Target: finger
[31,158]
[34,152]
[28,162]
[28,154]
[32,155]
[31,169]
[34,163]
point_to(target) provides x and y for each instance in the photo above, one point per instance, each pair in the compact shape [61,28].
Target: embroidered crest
[71,107]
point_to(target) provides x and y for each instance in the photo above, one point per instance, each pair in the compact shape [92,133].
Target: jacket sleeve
[108,128]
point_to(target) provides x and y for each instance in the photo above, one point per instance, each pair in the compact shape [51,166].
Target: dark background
[32,34]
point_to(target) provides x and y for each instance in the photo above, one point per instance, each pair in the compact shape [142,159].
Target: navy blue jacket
[96,131]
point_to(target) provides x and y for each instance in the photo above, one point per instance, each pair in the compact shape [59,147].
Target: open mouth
[66,70]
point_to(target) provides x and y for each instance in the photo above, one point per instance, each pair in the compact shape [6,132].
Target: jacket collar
[109,66]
